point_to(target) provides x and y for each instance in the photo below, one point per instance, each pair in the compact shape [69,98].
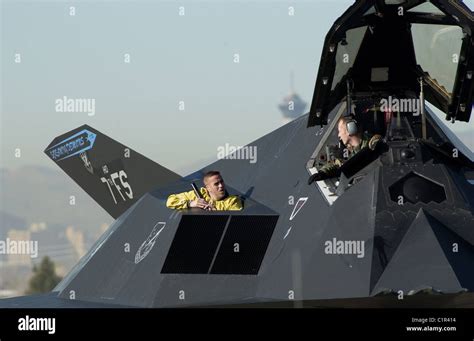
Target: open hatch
[384,48]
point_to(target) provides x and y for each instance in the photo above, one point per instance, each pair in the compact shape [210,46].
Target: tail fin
[114,175]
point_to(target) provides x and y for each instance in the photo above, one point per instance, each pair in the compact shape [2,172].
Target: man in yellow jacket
[214,195]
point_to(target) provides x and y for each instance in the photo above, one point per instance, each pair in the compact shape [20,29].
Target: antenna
[196,190]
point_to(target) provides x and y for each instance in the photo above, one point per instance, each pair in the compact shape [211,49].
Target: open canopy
[384,47]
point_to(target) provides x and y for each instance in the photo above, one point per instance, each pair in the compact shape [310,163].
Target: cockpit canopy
[381,48]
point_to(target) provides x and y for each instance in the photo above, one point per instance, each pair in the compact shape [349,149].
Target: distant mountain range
[33,194]
[7,219]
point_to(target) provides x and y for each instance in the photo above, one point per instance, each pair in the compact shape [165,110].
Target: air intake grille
[216,244]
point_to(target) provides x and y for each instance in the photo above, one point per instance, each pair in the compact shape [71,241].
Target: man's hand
[317,177]
[374,140]
[200,203]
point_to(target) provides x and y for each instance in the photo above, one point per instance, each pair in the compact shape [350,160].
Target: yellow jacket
[181,201]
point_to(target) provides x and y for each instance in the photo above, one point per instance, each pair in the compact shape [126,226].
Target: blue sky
[173,58]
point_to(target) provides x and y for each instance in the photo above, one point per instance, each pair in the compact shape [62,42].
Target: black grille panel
[206,244]
[195,244]
[249,235]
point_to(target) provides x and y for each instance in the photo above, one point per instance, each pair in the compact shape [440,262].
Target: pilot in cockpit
[354,141]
